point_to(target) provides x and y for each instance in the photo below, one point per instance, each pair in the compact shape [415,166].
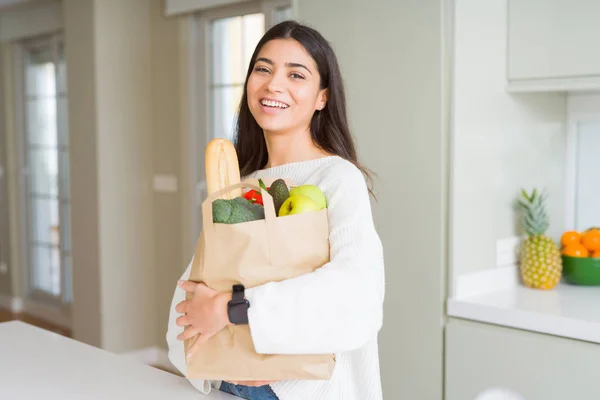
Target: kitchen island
[38,364]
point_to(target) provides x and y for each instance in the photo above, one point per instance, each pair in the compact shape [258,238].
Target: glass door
[45,172]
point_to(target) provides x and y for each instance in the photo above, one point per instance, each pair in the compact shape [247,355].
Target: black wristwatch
[237,308]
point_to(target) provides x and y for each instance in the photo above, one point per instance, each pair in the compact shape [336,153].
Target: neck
[291,147]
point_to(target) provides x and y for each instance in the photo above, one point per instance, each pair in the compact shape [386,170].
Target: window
[225,39]
[233,40]
[231,36]
[45,168]
[582,169]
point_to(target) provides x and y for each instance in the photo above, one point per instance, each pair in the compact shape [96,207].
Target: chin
[271,124]
[275,129]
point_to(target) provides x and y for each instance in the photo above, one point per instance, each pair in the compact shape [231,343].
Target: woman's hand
[205,314]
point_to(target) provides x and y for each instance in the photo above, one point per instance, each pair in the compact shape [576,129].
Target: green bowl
[581,270]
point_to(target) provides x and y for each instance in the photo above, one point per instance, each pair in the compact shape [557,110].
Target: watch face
[238,311]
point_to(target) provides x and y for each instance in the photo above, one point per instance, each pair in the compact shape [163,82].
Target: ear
[322,99]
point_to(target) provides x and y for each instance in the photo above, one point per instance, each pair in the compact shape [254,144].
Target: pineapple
[541,263]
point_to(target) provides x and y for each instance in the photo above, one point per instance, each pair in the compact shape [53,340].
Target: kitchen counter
[567,310]
[38,364]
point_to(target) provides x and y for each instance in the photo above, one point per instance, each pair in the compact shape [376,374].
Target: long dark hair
[329,127]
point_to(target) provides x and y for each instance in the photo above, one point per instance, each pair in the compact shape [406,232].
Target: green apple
[298,204]
[311,191]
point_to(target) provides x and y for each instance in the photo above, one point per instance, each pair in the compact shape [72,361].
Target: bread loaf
[222,169]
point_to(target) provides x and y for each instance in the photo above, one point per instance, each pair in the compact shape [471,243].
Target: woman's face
[284,87]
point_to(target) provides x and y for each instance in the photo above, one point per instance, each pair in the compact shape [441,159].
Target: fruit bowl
[581,270]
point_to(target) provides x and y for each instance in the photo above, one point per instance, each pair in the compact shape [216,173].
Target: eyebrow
[289,65]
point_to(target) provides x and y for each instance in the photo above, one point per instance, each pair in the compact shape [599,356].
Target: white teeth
[270,103]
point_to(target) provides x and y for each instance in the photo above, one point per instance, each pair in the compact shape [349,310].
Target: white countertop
[37,364]
[567,310]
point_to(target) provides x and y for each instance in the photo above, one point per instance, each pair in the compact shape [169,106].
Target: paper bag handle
[207,217]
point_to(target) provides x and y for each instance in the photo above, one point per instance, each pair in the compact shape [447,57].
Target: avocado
[280,192]
[235,211]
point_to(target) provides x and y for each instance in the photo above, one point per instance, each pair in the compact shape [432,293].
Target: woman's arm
[338,307]
[176,348]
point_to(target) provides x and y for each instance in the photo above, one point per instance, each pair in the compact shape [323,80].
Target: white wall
[124,106]
[392,58]
[83,158]
[167,127]
[501,142]
[108,46]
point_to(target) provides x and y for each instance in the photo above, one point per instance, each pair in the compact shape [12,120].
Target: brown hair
[329,127]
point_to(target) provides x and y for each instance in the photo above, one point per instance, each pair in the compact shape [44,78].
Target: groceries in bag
[279,231]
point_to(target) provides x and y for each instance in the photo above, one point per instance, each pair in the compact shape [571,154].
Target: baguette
[222,168]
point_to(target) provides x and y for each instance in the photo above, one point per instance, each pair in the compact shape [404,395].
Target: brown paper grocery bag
[253,253]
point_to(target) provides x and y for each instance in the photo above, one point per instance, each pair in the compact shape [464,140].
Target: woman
[292,123]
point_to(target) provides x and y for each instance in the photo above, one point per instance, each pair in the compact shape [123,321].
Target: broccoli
[236,210]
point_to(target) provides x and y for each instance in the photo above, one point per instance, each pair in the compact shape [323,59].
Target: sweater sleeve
[176,349]
[338,307]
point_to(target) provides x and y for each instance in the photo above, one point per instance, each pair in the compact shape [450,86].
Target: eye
[261,69]
[295,75]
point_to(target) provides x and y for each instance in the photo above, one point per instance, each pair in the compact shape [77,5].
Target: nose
[276,83]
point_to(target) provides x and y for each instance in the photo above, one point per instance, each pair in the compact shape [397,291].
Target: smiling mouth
[273,104]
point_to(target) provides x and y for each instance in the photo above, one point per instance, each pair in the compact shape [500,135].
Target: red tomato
[254,197]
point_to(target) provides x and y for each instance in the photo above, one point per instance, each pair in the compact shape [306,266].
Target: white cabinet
[553,45]
[536,366]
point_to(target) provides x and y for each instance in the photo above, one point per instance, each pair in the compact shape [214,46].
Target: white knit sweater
[336,309]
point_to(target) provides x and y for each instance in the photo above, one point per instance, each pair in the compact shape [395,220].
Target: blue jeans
[249,392]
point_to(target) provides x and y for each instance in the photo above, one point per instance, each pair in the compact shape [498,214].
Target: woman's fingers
[188,333]
[188,286]
[182,307]
[184,320]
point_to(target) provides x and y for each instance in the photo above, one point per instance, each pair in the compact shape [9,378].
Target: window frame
[56,309]
[198,98]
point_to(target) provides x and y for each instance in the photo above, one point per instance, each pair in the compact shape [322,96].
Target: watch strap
[238,292]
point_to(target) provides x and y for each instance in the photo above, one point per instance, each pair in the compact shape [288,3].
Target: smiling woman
[292,123]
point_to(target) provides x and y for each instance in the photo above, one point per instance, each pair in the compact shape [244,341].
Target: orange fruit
[595,254]
[570,237]
[591,239]
[575,250]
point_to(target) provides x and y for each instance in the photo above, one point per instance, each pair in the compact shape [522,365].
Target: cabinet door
[536,366]
[553,39]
